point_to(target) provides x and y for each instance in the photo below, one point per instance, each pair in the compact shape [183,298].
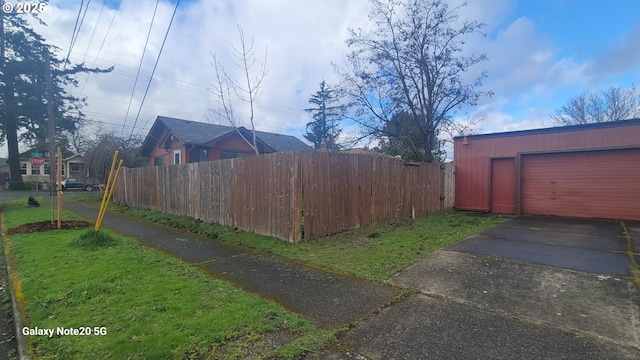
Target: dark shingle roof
[193,132]
[197,133]
[279,142]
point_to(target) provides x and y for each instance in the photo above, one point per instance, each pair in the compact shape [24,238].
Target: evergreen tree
[404,137]
[325,116]
[23,95]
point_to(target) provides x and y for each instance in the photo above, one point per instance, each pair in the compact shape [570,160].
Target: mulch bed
[47,225]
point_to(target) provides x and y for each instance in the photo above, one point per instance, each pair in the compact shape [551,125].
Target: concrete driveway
[570,274]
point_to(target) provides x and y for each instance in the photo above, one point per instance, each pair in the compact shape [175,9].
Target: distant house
[73,165]
[364,151]
[175,141]
[4,165]
[4,171]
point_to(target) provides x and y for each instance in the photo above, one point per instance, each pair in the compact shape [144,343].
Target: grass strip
[635,269]
[141,304]
[373,252]
[22,214]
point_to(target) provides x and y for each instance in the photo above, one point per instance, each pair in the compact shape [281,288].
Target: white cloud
[303,38]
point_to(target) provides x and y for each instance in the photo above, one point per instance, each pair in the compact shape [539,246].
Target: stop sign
[36,161]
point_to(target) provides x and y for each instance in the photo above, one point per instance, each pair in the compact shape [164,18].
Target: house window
[47,169]
[176,157]
[198,155]
[23,168]
[158,160]
[75,167]
[35,170]
[232,154]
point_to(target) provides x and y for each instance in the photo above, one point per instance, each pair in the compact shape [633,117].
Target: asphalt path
[532,287]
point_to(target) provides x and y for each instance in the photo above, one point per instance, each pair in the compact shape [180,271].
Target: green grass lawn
[23,214]
[377,252]
[373,252]
[150,306]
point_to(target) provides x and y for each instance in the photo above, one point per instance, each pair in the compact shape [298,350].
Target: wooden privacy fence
[293,196]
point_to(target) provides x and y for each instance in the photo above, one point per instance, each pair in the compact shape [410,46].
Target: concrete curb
[18,317]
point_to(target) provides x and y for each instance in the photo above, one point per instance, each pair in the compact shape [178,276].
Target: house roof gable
[197,133]
[74,156]
[25,155]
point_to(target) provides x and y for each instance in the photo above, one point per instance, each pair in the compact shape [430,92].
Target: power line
[155,65]
[73,34]
[104,2]
[144,51]
[95,27]
[84,14]
[194,87]
[108,29]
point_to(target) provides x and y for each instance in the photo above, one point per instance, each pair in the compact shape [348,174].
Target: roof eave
[552,129]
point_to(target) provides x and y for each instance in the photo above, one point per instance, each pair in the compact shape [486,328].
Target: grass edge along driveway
[373,252]
[131,302]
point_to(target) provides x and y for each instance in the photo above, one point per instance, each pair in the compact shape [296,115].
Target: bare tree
[100,155]
[226,90]
[79,138]
[411,61]
[612,104]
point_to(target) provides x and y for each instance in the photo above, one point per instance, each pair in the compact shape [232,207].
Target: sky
[540,54]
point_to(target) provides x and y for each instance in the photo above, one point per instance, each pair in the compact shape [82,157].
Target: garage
[590,170]
[595,184]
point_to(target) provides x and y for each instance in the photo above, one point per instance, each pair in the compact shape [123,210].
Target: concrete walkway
[468,306]
[532,287]
[329,300]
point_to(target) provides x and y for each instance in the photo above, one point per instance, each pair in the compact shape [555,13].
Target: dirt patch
[8,346]
[247,346]
[47,225]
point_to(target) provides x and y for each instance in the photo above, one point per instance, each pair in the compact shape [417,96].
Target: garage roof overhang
[556,129]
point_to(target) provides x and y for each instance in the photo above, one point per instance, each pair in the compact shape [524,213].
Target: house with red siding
[590,170]
[174,141]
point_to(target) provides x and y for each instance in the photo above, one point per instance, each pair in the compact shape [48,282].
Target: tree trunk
[11,122]
[12,140]
[428,145]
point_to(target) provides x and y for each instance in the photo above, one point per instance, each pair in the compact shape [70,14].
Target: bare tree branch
[612,104]
[411,61]
[226,90]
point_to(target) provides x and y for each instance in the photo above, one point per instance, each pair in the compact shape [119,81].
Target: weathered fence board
[292,196]
[265,195]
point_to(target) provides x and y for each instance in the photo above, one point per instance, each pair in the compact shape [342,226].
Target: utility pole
[52,134]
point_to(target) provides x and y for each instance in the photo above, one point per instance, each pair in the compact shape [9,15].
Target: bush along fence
[294,196]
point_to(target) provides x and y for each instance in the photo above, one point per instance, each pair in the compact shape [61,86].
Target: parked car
[86,184]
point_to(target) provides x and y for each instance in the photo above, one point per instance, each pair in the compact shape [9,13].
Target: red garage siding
[473,156]
[598,184]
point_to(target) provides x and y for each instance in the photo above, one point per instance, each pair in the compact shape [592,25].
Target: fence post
[125,189]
